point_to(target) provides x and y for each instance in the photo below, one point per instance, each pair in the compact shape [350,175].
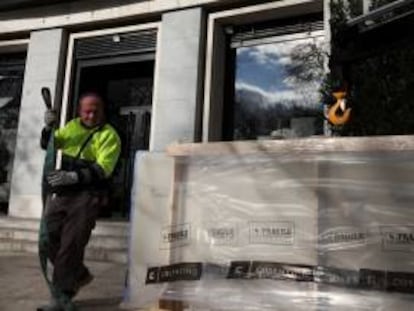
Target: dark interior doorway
[126,84]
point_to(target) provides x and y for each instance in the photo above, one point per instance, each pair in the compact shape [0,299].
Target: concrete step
[109,241]
[97,240]
[103,227]
[92,253]
[10,245]
[21,223]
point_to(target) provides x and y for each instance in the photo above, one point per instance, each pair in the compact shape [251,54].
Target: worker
[75,193]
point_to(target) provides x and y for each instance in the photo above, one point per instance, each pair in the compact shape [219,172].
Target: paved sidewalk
[22,287]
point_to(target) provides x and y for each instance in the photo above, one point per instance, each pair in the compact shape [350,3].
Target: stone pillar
[179,79]
[44,67]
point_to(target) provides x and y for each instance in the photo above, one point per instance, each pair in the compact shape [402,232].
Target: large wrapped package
[313,224]
[366,227]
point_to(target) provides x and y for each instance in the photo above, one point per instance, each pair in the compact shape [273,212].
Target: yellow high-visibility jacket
[103,148]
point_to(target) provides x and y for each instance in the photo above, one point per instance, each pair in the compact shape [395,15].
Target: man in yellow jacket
[90,149]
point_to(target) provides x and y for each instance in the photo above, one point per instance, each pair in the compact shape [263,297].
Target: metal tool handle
[47,98]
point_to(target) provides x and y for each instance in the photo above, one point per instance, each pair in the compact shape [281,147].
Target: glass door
[126,84]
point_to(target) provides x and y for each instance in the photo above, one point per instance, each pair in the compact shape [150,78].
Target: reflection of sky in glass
[261,69]
[250,62]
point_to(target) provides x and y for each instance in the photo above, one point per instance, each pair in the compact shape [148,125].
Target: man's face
[91,111]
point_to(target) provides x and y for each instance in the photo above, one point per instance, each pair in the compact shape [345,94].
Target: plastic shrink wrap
[297,225]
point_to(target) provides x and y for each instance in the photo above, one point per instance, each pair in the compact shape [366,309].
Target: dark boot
[86,278]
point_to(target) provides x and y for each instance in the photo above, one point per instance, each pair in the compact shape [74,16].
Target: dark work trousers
[70,220]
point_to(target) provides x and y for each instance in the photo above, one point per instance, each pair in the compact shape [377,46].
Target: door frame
[126,171]
[73,67]
[71,74]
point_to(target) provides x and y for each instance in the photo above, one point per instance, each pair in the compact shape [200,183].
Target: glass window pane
[276,91]
[11,81]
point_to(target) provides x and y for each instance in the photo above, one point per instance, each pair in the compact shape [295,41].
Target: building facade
[170,71]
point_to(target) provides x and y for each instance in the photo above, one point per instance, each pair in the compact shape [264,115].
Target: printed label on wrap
[175,236]
[271,232]
[397,238]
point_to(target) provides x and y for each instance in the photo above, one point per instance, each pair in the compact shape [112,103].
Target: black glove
[62,178]
[50,118]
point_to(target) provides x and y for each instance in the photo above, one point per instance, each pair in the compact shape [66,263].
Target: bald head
[91,110]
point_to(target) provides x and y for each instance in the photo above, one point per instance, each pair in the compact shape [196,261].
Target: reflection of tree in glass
[306,63]
[305,72]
